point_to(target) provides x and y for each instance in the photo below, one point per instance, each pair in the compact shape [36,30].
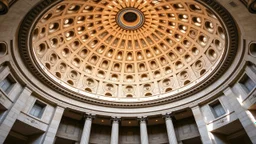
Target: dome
[127,72]
[129,50]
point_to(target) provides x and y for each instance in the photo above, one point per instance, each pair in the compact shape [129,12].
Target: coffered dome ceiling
[129,49]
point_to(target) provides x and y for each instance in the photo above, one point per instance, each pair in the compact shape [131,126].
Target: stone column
[53,126]
[143,131]
[170,129]
[199,118]
[87,130]
[115,131]
[12,115]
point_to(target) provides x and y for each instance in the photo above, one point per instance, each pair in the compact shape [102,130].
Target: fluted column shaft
[170,130]
[87,130]
[143,131]
[115,131]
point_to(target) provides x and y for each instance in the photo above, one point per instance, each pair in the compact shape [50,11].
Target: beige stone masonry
[199,118]
[53,127]
[243,114]
[14,112]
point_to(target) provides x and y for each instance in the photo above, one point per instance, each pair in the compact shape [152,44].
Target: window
[6,84]
[217,109]
[38,109]
[247,83]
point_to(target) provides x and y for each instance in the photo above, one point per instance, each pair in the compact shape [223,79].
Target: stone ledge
[32,121]
[221,121]
[250,99]
[5,100]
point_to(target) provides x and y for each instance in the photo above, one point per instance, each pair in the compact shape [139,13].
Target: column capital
[115,119]
[89,116]
[167,116]
[195,107]
[142,119]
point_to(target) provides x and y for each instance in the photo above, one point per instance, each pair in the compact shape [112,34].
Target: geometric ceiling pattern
[131,48]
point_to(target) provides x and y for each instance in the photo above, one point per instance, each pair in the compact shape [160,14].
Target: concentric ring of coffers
[80,45]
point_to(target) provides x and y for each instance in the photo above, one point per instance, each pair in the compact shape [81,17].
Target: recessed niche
[73,8]
[41,49]
[88,69]
[221,32]
[184,75]
[69,35]
[73,74]
[202,71]
[212,54]
[129,68]
[48,66]
[60,8]
[62,67]
[83,53]
[142,67]
[104,64]
[129,78]
[53,58]
[119,55]
[110,87]
[186,82]
[75,45]
[108,94]
[195,7]
[209,26]
[129,89]
[90,82]
[168,89]
[199,64]
[53,27]
[88,90]
[58,74]
[147,87]
[35,33]
[101,74]
[80,19]
[114,77]
[93,59]
[76,62]
[46,17]
[168,70]
[252,49]
[129,96]
[144,77]
[166,82]
[70,82]
[117,67]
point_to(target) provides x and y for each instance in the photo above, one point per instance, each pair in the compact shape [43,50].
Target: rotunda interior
[127,72]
